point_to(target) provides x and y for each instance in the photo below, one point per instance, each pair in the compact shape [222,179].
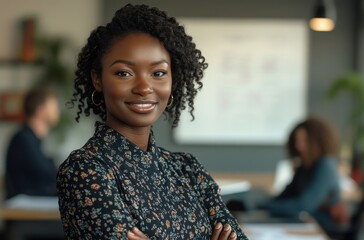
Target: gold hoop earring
[169,105]
[92,99]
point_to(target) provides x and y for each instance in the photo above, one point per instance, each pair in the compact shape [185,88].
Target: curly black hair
[187,65]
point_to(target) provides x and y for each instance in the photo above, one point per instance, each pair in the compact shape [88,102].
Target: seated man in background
[28,170]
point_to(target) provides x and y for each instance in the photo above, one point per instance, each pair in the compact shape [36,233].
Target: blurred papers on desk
[27,202]
[232,186]
[283,231]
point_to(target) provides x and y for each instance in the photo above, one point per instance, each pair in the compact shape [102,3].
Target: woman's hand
[220,233]
[223,232]
[136,234]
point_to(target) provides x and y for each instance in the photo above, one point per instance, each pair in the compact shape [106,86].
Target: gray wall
[331,54]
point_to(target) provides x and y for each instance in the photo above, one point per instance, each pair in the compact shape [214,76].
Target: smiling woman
[121,184]
[136,83]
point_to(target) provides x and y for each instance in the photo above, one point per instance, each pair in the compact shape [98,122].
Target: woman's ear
[96,81]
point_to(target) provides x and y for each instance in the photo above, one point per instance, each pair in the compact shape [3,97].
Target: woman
[313,144]
[121,185]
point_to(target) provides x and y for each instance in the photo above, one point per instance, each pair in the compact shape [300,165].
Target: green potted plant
[352,84]
[55,73]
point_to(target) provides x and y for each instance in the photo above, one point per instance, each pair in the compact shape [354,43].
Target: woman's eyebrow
[122,61]
[160,62]
[133,64]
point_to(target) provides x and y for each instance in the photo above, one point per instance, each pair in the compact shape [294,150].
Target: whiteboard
[255,86]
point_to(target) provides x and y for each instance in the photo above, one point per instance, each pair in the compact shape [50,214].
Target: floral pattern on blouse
[110,185]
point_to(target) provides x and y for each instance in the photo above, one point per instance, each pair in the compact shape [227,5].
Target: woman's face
[49,111]
[53,112]
[301,142]
[136,81]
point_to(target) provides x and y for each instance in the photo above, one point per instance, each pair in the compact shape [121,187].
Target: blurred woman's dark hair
[322,138]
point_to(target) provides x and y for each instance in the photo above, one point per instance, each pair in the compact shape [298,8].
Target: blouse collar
[114,139]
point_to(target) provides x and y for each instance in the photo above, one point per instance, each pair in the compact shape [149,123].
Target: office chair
[235,205]
[357,220]
[353,230]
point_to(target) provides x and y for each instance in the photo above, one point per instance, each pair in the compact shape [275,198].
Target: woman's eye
[123,74]
[159,74]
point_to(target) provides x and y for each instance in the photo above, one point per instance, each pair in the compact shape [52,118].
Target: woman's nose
[142,86]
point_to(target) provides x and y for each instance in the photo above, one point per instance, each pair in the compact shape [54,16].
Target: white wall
[69,18]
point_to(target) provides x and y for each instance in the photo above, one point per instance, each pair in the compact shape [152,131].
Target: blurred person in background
[28,170]
[313,147]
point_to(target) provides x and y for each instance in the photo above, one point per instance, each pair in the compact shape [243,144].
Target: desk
[231,186]
[283,231]
[261,180]
[25,214]
[34,217]
[259,225]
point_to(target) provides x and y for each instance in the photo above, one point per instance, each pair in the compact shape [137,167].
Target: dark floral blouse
[110,185]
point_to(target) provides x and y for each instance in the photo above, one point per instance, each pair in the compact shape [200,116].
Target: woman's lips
[141,107]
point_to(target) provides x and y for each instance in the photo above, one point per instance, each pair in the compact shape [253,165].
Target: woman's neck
[141,140]
[308,162]
[137,135]
[39,127]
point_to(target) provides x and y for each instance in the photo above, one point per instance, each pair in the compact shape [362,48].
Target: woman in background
[121,184]
[313,146]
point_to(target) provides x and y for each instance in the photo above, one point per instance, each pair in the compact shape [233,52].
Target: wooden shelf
[19,62]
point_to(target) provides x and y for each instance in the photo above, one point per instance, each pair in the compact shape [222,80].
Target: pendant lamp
[324,17]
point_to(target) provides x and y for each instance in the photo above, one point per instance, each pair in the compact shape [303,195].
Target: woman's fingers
[216,232]
[221,232]
[225,233]
[136,234]
[232,236]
